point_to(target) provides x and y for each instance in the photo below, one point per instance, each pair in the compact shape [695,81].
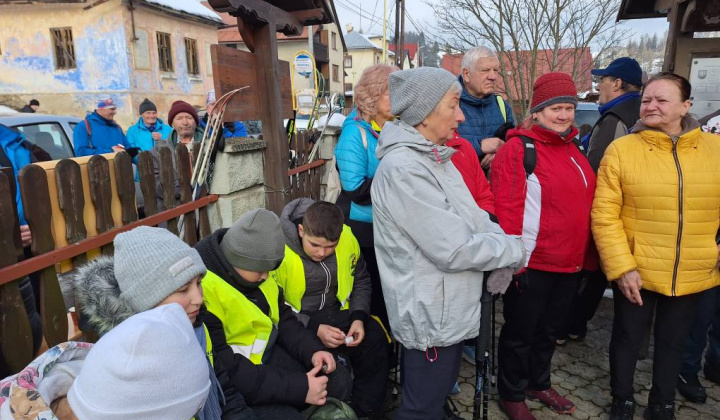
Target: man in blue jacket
[485,112]
[98,133]
[149,129]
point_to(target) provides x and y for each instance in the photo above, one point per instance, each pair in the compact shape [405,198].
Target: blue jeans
[706,317]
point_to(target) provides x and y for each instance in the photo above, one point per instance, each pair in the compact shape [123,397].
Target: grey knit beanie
[255,242]
[416,92]
[152,263]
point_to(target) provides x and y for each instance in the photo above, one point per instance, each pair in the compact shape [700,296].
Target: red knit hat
[182,106]
[553,88]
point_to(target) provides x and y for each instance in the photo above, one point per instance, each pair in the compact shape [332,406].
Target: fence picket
[146,168]
[182,160]
[125,187]
[34,191]
[101,195]
[71,199]
[16,343]
[167,181]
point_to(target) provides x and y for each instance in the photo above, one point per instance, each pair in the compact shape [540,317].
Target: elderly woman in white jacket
[432,240]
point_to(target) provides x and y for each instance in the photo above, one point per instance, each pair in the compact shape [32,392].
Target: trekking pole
[493,378]
[482,352]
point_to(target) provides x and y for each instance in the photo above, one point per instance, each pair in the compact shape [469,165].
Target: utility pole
[384,51]
[401,50]
[397,30]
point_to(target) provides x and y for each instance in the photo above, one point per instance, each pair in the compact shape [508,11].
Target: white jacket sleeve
[413,199]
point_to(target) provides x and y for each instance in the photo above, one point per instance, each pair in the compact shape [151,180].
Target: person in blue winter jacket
[98,133]
[357,163]
[485,112]
[230,129]
[149,128]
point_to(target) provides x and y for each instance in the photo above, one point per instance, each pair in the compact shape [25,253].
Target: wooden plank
[24,268]
[146,168]
[233,69]
[71,200]
[204,229]
[182,159]
[101,196]
[16,343]
[167,181]
[125,183]
[34,189]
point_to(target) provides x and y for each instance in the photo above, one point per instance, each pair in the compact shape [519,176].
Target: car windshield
[588,117]
[50,137]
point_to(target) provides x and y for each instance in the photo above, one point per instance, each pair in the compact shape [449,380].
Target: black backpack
[530,154]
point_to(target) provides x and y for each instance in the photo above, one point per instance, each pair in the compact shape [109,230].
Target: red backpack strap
[89,131]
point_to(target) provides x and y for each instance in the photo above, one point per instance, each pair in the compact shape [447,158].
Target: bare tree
[532,36]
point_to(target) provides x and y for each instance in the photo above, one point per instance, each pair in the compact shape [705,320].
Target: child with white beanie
[139,370]
[152,267]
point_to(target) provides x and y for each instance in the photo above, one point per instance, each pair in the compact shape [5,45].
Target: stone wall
[238,178]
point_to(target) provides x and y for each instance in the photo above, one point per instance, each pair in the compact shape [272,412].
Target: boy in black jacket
[324,279]
[269,356]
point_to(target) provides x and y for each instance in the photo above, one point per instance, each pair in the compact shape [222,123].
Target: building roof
[640,9]
[357,41]
[191,7]
[412,49]
[566,59]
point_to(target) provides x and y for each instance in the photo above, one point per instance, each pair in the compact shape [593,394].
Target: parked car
[52,133]
[586,113]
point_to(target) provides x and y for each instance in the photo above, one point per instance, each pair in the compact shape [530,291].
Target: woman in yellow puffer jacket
[655,218]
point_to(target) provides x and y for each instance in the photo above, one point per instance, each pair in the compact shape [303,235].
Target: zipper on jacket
[328,278]
[680,219]
[581,171]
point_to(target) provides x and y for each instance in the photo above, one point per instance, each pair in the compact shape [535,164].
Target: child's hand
[317,387]
[357,332]
[325,360]
[330,336]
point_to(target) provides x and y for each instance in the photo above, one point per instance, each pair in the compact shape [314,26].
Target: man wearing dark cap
[31,107]
[149,129]
[268,355]
[619,85]
[185,123]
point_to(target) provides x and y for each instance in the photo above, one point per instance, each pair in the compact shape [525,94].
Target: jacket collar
[397,134]
[687,138]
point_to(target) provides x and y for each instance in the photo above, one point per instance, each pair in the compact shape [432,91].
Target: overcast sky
[372,11]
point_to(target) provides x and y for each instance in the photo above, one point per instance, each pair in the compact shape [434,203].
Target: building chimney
[349,27]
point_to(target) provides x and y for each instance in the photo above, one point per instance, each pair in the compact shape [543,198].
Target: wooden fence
[75,208]
[305,176]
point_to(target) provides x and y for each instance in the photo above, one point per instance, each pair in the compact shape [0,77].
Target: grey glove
[499,280]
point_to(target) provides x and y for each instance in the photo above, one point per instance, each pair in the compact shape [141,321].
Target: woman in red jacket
[550,208]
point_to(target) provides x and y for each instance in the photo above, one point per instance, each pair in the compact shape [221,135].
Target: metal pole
[385,54]
[397,30]
[311,40]
[401,50]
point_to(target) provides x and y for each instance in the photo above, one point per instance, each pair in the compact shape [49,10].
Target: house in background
[362,52]
[68,53]
[328,48]
[575,61]
[414,59]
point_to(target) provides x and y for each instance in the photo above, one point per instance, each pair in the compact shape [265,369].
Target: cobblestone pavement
[581,373]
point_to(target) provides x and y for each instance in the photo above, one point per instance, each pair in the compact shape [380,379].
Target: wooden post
[276,153]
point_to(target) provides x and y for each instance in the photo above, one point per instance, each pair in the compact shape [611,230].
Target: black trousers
[428,378]
[673,319]
[370,362]
[586,301]
[534,318]
[377,302]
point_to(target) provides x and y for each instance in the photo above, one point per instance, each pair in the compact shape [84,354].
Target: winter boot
[690,388]
[516,410]
[622,409]
[552,399]
[659,412]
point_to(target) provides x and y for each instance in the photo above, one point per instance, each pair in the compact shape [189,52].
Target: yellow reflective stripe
[387,335]
[501,104]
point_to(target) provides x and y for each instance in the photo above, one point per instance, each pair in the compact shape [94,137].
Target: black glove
[501,132]
[521,282]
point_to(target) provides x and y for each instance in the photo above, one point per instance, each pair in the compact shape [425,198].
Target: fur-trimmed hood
[98,293]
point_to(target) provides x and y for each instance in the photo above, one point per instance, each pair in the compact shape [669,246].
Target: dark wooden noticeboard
[233,69]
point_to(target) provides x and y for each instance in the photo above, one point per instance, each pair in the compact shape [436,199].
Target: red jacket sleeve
[467,163]
[509,186]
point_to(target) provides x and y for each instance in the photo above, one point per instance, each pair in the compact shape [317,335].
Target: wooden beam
[27,267]
[307,167]
[261,12]
[277,151]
